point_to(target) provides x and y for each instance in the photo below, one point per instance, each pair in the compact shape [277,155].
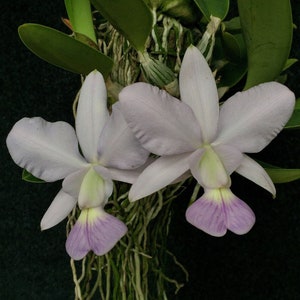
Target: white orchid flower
[110,152]
[194,134]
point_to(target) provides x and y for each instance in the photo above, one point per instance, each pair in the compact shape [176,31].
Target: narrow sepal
[253,171]
[159,174]
[92,114]
[198,90]
[59,209]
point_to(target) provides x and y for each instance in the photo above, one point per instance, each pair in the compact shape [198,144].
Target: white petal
[158,175]
[253,171]
[250,120]
[128,176]
[163,124]
[47,150]
[72,183]
[59,209]
[198,90]
[231,157]
[118,147]
[92,114]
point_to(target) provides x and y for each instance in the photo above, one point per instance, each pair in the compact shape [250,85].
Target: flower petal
[239,216]
[59,209]
[92,113]
[47,150]
[253,171]
[198,90]
[250,120]
[72,183]
[208,169]
[207,214]
[218,210]
[231,157]
[159,174]
[118,147]
[128,176]
[105,232]
[77,244]
[94,230]
[163,124]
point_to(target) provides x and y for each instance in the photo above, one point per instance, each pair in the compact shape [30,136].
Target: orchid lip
[218,210]
[95,230]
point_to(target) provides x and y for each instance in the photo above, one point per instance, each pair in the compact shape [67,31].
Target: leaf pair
[132,18]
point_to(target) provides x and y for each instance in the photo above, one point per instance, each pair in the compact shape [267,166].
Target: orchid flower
[195,135]
[110,152]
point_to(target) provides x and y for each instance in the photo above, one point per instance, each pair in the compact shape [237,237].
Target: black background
[264,264]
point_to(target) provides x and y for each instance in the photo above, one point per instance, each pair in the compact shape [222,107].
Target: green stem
[108,276]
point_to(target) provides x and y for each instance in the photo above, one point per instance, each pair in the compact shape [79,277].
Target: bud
[155,71]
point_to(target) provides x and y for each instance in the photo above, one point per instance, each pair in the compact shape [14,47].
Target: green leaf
[216,8]
[63,51]
[231,74]
[233,25]
[267,28]
[294,121]
[290,62]
[234,46]
[280,175]
[30,178]
[184,10]
[80,16]
[132,18]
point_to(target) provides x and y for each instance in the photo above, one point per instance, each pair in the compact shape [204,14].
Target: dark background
[264,264]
